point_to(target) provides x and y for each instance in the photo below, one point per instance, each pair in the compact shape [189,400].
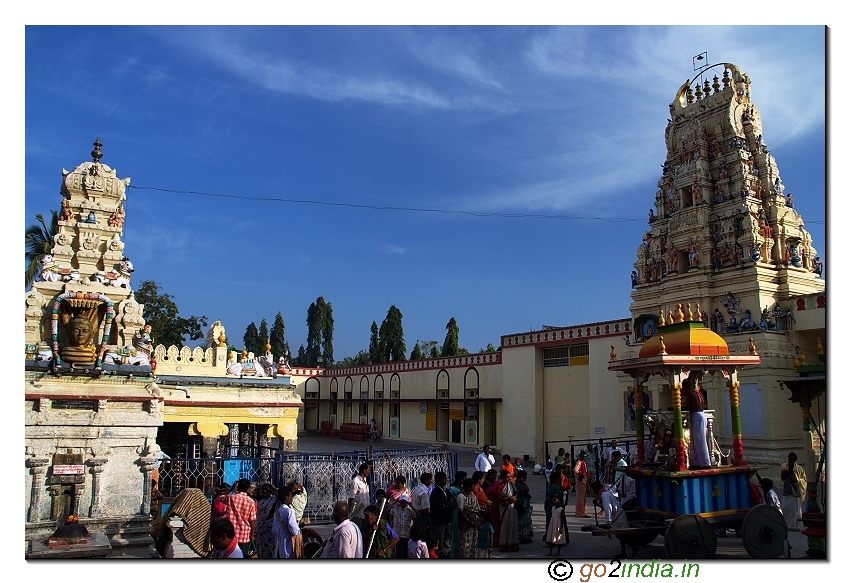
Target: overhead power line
[392,208]
[398,208]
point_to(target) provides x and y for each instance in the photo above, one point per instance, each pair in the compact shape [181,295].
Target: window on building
[566,355]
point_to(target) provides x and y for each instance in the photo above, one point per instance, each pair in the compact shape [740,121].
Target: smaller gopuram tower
[91,404]
[724,237]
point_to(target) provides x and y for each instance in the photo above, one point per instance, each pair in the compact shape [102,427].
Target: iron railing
[326,477]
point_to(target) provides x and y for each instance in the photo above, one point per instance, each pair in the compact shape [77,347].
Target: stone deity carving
[80,349]
[66,214]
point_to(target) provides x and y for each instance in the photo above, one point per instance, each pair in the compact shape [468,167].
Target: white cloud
[300,78]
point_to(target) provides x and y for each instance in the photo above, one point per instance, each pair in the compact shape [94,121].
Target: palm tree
[39,242]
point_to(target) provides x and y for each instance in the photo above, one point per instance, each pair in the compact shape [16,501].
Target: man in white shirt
[421,500]
[358,499]
[613,447]
[346,542]
[485,460]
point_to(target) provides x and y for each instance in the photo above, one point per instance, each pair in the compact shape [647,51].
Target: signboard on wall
[599,430]
[471,433]
[423,408]
[393,426]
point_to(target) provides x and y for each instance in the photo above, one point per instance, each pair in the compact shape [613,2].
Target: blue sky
[564,121]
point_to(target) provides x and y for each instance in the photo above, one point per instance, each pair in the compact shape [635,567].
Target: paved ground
[582,544]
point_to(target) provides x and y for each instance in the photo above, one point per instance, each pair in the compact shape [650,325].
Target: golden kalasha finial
[613,353]
[820,347]
[802,358]
[663,348]
[661,321]
[670,319]
[222,339]
[680,315]
[753,350]
[268,347]
[689,315]
[244,354]
[699,312]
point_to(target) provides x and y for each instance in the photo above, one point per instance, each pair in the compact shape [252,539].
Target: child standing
[416,547]
[557,534]
[485,537]
[770,496]
[433,545]
[401,519]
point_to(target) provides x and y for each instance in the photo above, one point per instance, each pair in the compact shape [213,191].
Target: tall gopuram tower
[725,239]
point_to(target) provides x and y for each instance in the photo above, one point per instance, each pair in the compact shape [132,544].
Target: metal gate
[326,477]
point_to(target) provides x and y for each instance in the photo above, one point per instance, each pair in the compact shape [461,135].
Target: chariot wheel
[764,532]
[690,536]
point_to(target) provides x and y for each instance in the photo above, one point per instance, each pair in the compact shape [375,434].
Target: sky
[563,121]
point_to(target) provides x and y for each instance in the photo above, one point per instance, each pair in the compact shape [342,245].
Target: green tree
[167,326]
[391,337]
[264,336]
[301,358]
[429,348]
[361,358]
[252,339]
[374,348]
[490,348]
[416,353]
[451,345]
[277,338]
[38,240]
[320,329]
[327,333]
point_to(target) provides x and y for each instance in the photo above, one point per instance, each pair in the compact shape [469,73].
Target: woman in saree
[582,476]
[478,490]
[468,509]
[553,489]
[508,466]
[525,529]
[508,532]
[396,491]
[454,490]
[266,505]
[494,497]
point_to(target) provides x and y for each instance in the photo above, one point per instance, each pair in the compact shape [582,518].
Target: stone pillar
[39,471]
[147,464]
[96,465]
[57,505]
[76,493]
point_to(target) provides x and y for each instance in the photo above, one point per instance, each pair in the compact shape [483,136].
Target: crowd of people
[249,521]
[465,519]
